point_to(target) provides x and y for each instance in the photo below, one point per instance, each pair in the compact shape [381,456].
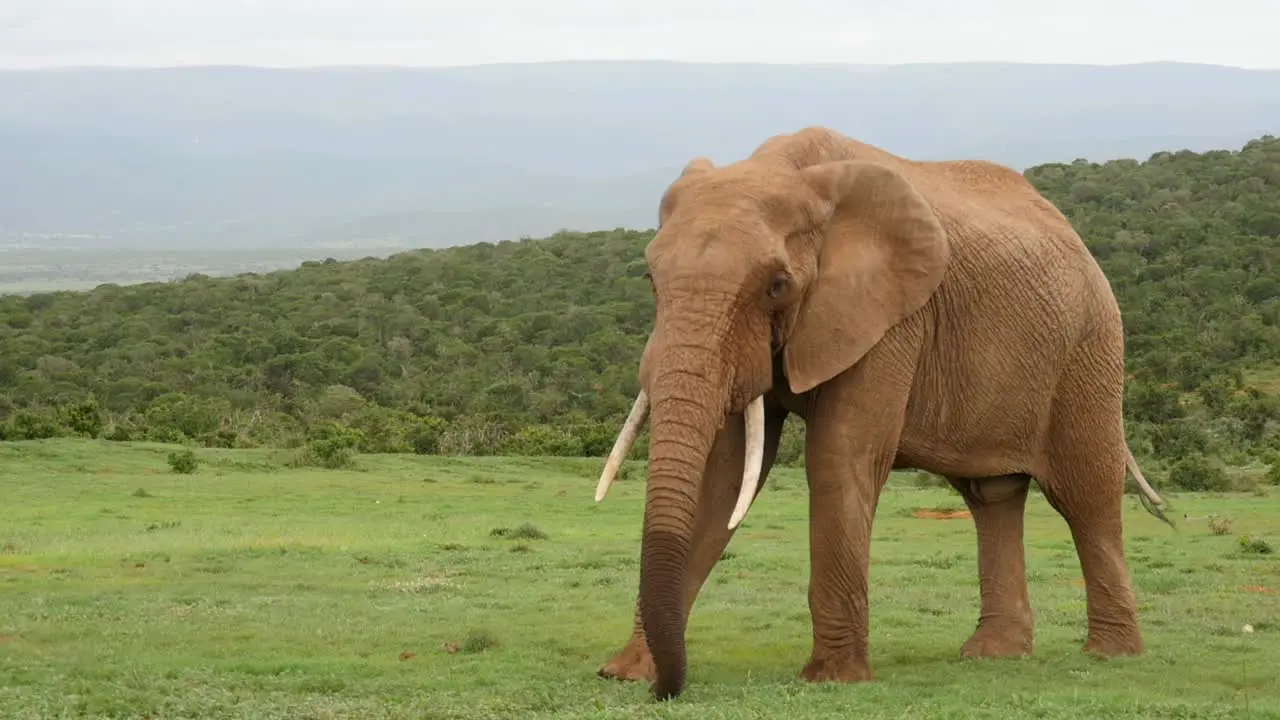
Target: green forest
[530,346]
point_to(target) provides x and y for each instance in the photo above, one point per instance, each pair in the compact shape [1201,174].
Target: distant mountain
[252,158]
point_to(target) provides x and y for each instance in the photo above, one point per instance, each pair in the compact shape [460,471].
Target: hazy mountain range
[236,157]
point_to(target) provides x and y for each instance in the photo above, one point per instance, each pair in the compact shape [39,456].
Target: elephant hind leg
[1083,480]
[1006,623]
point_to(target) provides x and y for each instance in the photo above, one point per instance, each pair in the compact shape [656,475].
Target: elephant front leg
[711,533]
[842,501]
[850,444]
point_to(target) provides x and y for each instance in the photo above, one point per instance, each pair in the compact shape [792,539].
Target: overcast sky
[42,33]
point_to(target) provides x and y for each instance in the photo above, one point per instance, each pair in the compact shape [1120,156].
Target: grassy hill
[530,347]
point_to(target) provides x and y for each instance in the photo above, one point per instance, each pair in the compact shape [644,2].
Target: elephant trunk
[683,423]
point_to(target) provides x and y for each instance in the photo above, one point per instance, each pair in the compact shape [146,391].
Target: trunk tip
[669,688]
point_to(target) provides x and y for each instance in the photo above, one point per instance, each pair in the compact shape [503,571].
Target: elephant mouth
[751,468]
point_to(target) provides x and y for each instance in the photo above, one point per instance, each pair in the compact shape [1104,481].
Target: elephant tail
[1151,501]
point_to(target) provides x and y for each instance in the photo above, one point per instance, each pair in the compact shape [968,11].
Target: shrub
[163,434]
[381,430]
[478,641]
[223,438]
[1254,546]
[424,435]
[1272,476]
[1148,401]
[83,418]
[473,436]
[118,432]
[527,531]
[595,439]
[791,445]
[1195,473]
[30,425]
[183,461]
[539,440]
[330,445]
[186,415]
[1178,439]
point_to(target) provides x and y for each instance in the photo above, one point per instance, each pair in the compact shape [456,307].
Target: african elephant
[942,316]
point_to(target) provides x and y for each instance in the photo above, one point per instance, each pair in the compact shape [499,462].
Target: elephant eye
[778,285]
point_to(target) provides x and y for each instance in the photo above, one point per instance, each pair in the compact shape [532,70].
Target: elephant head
[763,258]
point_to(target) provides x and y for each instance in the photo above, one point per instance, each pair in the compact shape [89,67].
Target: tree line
[530,346]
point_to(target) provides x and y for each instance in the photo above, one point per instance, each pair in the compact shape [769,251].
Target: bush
[1255,411]
[526,531]
[183,461]
[596,439]
[1196,474]
[1273,474]
[186,415]
[539,440]
[83,418]
[330,445]
[119,431]
[1151,402]
[479,641]
[1254,546]
[474,437]
[381,430]
[1178,439]
[30,425]
[225,438]
[791,445]
[424,435]
[163,434]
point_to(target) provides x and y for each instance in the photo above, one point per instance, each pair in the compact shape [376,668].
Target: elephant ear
[883,253]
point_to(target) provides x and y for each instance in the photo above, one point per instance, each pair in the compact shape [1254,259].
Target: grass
[493,588]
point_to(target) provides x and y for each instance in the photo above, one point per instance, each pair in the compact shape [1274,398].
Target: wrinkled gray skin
[933,315]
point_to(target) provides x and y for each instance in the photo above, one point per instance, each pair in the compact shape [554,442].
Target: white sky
[42,33]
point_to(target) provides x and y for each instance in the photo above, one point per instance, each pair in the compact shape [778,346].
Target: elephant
[935,315]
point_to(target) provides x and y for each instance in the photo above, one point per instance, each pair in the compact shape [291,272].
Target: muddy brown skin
[934,315]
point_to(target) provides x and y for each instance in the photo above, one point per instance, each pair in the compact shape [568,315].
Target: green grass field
[254,590]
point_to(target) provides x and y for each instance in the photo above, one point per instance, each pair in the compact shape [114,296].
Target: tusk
[754,461]
[622,446]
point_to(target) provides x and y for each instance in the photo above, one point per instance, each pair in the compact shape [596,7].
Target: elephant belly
[964,455]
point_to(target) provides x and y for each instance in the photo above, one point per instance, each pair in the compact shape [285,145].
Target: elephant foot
[837,667]
[996,639]
[1114,642]
[631,664]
